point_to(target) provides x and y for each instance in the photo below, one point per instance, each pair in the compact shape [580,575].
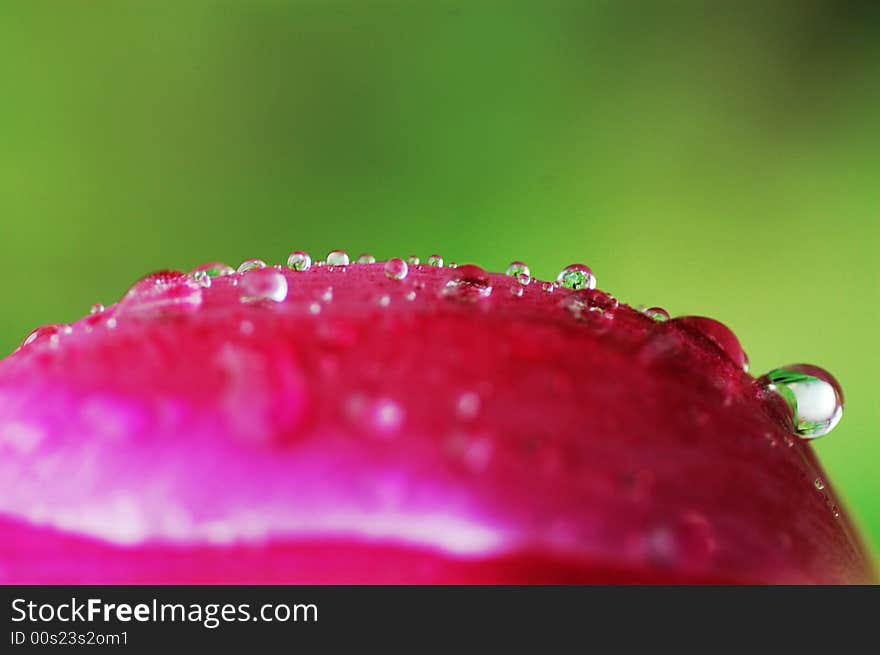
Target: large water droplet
[468,283]
[435,260]
[162,290]
[337,258]
[576,276]
[263,284]
[250,265]
[811,393]
[396,269]
[43,334]
[719,334]
[299,261]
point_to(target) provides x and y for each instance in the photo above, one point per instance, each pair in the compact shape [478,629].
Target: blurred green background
[718,158]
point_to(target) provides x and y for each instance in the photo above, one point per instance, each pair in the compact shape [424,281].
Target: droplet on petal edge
[576,276]
[337,258]
[812,395]
[263,284]
[251,264]
[467,283]
[396,269]
[719,334]
[299,261]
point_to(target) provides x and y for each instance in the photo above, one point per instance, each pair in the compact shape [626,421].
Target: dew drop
[97,308]
[299,261]
[549,287]
[590,302]
[435,260]
[656,314]
[516,290]
[396,269]
[366,258]
[201,278]
[314,308]
[519,271]
[213,269]
[337,258]
[813,396]
[327,294]
[468,406]
[468,283]
[819,484]
[263,284]
[42,334]
[250,265]
[576,276]
[411,295]
[412,260]
[384,300]
[719,334]
[161,290]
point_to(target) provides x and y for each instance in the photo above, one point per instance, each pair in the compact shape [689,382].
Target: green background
[715,158]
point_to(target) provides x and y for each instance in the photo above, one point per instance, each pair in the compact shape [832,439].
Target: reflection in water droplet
[519,271]
[202,278]
[590,302]
[251,264]
[263,284]
[835,511]
[819,484]
[299,261]
[366,258]
[412,260]
[97,308]
[516,290]
[657,314]
[549,287]
[468,283]
[213,269]
[813,396]
[576,276]
[719,334]
[435,260]
[337,258]
[396,269]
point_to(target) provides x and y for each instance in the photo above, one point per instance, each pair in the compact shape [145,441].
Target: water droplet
[549,287]
[396,269]
[327,294]
[250,265]
[813,396]
[719,334]
[299,261]
[366,258]
[412,260]
[468,406]
[213,269]
[435,260]
[468,283]
[337,258]
[112,323]
[97,308]
[161,290]
[590,302]
[43,334]
[411,295]
[519,271]
[263,284]
[516,290]
[835,511]
[576,276]
[819,484]
[384,300]
[314,308]
[656,313]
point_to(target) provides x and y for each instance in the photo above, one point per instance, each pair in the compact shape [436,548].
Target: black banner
[286,619]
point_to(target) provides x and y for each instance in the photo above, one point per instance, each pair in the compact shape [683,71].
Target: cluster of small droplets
[396,269]
[576,276]
[299,261]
